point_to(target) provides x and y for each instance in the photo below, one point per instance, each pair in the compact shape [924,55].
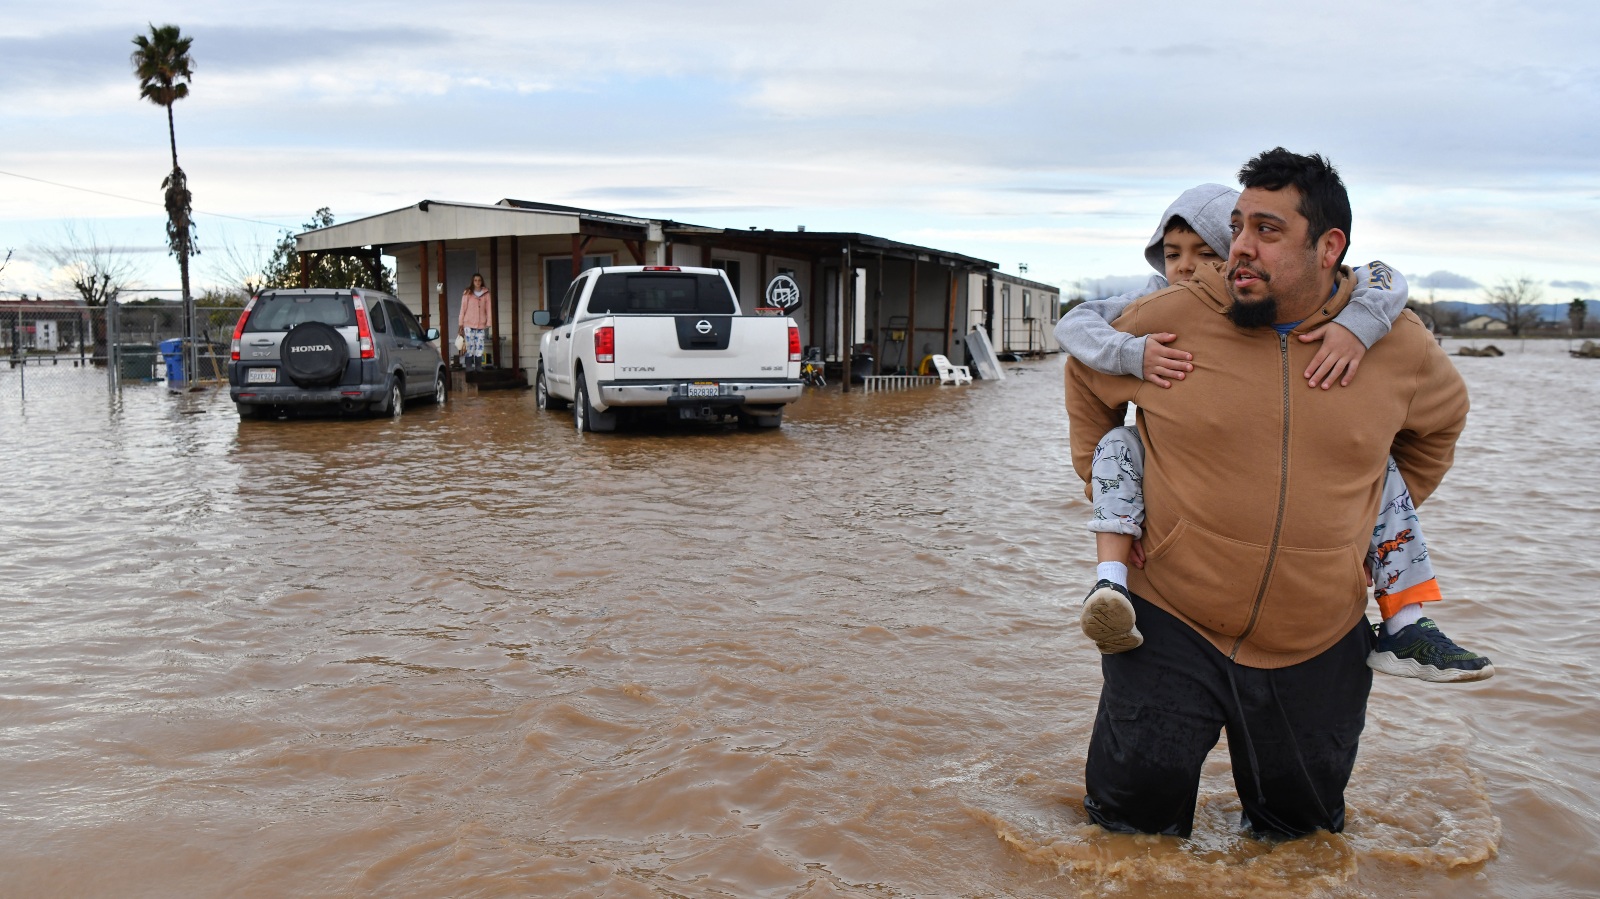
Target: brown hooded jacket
[1261,492]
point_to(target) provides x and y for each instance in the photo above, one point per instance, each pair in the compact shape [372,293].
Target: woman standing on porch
[473,321]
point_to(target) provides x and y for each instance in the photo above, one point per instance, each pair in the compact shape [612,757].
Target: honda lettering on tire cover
[314,354]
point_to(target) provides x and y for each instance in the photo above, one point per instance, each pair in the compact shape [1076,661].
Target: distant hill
[1550,312]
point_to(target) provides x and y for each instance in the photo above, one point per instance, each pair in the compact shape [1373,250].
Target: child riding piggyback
[1196,230]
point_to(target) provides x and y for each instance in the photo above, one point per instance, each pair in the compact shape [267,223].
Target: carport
[900,301]
[903,301]
[531,249]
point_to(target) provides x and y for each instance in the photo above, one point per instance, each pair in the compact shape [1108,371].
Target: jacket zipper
[1283,499]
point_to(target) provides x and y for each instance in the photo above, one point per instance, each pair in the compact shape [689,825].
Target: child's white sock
[1115,572]
[1403,616]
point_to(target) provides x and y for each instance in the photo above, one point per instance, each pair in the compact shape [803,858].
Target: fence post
[191,353]
[113,362]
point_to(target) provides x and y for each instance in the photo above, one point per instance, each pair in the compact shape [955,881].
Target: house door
[1005,317]
[459,267]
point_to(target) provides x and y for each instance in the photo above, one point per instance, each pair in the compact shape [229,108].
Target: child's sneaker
[1108,618]
[1422,651]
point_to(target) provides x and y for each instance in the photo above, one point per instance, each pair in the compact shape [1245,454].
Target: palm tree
[164,68]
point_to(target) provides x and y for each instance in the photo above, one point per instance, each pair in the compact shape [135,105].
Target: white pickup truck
[634,337]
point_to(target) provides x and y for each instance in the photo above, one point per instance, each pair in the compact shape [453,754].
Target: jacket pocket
[1311,597]
[1210,578]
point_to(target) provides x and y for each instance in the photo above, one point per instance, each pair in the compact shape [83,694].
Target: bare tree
[240,267]
[1514,300]
[6,261]
[96,271]
[1431,307]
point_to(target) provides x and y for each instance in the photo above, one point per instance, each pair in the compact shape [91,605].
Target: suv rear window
[662,293]
[279,312]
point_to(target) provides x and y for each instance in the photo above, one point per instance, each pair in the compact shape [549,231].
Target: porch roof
[816,244]
[433,220]
[1037,285]
[439,220]
[42,305]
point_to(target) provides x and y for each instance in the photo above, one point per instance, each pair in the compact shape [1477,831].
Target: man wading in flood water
[1259,499]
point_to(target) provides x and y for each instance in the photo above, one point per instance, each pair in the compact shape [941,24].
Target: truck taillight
[238,327]
[363,331]
[794,344]
[605,344]
[662,268]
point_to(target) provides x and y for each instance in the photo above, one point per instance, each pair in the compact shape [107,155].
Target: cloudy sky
[1047,133]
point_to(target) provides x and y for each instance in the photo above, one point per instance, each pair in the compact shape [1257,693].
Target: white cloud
[1442,280]
[1051,132]
[24,275]
[1107,286]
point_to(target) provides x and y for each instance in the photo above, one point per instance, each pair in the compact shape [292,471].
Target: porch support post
[516,307]
[444,311]
[911,324]
[494,296]
[577,255]
[818,310]
[847,316]
[950,313]
[424,285]
[305,269]
[877,307]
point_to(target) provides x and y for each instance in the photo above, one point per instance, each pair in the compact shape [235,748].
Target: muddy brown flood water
[473,654]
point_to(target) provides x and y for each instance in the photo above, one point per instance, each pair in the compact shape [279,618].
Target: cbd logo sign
[783,293]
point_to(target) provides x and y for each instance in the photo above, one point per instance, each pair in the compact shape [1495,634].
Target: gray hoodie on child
[1086,332]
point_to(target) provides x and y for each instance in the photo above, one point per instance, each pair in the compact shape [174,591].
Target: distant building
[43,326]
[1484,323]
[1025,314]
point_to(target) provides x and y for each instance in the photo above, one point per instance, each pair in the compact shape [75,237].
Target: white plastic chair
[951,374]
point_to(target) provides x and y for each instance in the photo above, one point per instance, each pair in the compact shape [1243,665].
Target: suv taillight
[794,344]
[363,331]
[605,344]
[238,327]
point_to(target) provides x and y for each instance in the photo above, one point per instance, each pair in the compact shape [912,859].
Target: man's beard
[1260,314]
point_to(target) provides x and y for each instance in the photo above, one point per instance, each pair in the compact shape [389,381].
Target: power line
[137,200]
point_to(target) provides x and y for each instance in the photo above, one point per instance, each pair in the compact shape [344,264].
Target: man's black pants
[1163,705]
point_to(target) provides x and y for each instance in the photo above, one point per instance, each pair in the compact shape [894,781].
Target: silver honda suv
[344,350]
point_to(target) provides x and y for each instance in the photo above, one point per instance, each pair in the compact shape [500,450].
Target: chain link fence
[51,349]
[64,349]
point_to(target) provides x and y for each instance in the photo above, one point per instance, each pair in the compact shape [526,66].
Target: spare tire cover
[314,354]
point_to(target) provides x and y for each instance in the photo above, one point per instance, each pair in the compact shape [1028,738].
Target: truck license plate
[262,376]
[704,388]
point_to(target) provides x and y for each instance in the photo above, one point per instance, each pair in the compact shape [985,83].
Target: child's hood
[1207,209]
